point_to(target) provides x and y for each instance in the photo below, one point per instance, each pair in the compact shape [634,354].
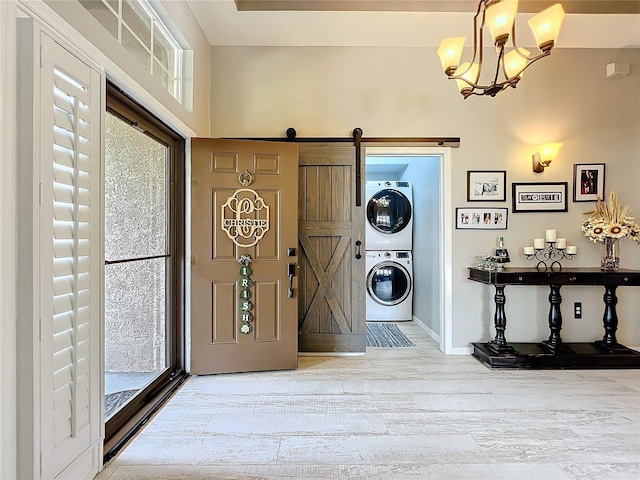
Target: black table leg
[610,319]
[555,319]
[499,344]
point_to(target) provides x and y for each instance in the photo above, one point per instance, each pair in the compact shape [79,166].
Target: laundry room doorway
[423,174]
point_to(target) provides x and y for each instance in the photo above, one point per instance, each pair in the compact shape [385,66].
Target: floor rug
[113,401]
[386,335]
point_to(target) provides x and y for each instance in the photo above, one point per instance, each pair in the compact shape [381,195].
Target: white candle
[572,249]
[561,243]
[550,235]
[529,251]
[538,243]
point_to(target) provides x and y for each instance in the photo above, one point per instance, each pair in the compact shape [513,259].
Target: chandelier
[499,17]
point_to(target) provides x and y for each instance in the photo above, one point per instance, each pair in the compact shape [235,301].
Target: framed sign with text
[540,197]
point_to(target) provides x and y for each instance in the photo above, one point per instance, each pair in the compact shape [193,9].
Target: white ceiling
[225,26]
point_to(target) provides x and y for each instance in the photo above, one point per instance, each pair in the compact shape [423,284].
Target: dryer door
[388,283]
[389,211]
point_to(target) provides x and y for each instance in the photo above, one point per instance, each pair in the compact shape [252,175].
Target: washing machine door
[389,211]
[388,283]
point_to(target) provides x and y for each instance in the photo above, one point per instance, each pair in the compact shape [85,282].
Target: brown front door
[217,343]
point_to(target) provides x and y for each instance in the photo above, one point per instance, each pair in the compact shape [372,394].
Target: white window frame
[157,24]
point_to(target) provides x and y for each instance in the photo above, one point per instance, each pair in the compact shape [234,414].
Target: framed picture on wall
[588,182]
[481,218]
[486,185]
[540,197]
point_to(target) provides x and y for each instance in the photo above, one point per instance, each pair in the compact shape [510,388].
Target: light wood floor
[395,413]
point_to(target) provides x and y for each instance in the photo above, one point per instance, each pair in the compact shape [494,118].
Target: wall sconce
[546,154]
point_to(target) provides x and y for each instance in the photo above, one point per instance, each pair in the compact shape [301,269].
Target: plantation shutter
[70,219]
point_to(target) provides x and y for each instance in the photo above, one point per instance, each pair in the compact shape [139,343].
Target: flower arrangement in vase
[607,224]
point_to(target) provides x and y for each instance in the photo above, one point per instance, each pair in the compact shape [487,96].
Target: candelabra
[548,257]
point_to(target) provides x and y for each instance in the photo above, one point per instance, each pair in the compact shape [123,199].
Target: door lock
[291,269]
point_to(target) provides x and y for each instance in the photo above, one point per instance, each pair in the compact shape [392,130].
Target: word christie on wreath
[607,224]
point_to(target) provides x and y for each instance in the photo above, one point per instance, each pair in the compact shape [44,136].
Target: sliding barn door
[331,236]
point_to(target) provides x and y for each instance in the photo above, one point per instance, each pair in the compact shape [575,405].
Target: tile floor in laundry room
[394,413]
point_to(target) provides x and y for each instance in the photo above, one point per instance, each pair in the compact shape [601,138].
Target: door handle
[291,272]
[358,254]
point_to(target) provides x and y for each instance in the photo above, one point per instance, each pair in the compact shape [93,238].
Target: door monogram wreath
[245,219]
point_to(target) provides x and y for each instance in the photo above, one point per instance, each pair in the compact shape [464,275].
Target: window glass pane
[113,4]
[137,20]
[163,51]
[136,49]
[165,79]
[135,327]
[102,13]
[135,193]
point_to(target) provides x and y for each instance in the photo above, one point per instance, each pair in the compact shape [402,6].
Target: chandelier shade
[514,63]
[499,19]
[450,51]
[498,16]
[546,26]
[468,74]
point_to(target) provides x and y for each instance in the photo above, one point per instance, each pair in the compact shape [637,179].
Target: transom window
[140,30]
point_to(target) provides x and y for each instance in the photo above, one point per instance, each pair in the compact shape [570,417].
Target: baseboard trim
[461,351]
[436,337]
[331,354]
[424,327]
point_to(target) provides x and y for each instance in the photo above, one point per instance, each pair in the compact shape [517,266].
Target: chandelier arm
[518,50]
[472,84]
[475,43]
[498,63]
[530,59]
[459,76]
[515,78]
[479,32]
[533,60]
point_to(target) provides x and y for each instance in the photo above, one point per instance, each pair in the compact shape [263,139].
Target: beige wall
[327,91]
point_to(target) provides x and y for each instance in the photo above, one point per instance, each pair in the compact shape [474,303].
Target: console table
[553,352]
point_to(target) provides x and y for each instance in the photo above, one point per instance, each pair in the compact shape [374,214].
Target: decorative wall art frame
[481,218]
[486,185]
[540,197]
[588,182]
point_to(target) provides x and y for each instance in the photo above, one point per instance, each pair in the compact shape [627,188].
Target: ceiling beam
[524,6]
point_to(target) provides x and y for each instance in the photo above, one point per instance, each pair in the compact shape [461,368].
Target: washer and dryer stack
[389,242]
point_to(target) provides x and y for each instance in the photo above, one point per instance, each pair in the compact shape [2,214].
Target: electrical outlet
[577,309]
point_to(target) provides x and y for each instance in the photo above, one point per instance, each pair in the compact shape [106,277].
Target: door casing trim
[445,261]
